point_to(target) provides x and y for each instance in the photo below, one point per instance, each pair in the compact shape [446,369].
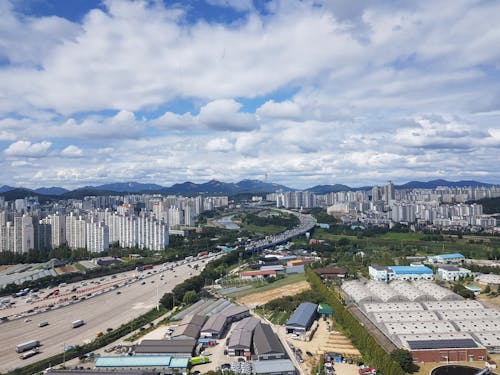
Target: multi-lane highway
[107,310]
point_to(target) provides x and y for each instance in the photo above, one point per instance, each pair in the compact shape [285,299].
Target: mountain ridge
[214,187]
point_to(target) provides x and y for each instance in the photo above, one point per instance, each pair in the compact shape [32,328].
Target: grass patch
[403,236]
[267,229]
[79,267]
[289,279]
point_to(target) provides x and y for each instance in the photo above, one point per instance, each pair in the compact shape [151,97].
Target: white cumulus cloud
[28,149]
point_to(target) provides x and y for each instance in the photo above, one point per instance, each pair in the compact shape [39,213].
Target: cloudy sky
[305,92]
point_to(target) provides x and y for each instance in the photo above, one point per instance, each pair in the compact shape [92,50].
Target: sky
[295,92]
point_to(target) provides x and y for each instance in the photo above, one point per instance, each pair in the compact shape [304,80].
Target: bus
[27,346]
[77,323]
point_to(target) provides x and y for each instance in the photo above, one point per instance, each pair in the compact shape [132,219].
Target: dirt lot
[3,268]
[66,269]
[256,299]
[322,342]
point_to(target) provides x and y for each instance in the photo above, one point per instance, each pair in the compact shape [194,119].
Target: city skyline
[299,94]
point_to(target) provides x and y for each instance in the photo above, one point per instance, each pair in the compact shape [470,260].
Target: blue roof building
[411,270]
[448,258]
[302,318]
[388,273]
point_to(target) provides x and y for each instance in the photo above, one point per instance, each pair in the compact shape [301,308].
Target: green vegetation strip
[371,350]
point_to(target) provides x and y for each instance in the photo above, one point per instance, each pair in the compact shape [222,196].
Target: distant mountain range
[210,187]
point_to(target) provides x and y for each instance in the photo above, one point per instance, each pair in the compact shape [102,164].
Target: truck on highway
[27,346]
[30,353]
[78,323]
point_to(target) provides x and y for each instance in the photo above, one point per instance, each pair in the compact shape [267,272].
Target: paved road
[108,310]
[372,329]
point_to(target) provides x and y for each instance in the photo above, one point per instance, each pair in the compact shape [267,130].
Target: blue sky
[307,92]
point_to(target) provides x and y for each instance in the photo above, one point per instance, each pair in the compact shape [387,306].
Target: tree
[168,301]
[487,289]
[405,360]
[190,297]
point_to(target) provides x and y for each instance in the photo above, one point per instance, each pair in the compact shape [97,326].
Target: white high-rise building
[97,237]
[58,223]
[175,217]
[76,232]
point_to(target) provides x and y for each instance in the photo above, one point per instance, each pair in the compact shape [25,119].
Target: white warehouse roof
[472,314]
[410,291]
[392,306]
[356,291]
[478,325]
[384,291]
[437,292]
[429,327]
[405,316]
[452,305]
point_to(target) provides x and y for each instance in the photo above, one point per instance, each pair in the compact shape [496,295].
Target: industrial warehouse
[208,323]
[432,322]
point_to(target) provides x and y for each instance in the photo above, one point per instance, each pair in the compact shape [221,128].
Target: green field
[268,229]
[402,236]
[290,279]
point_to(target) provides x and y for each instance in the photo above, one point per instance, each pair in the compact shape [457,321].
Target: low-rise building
[331,272]
[452,273]
[266,344]
[274,367]
[388,273]
[302,318]
[174,348]
[455,258]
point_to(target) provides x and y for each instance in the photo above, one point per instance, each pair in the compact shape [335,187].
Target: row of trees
[370,349]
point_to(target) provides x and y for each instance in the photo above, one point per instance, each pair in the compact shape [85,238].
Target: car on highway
[43,324]
[118,292]
[27,320]
[143,283]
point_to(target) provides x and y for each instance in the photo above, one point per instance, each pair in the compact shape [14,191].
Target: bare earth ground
[322,342]
[3,268]
[66,269]
[256,299]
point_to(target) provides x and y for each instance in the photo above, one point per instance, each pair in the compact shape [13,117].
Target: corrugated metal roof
[450,256]
[302,314]
[179,362]
[215,323]
[265,340]
[411,270]
[270,366]
[134,361]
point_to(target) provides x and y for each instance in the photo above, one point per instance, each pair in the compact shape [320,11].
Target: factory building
[388,273]
[302,318]
[240,341]
[173,348]
[454,258]
[266,344]
[432,322]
